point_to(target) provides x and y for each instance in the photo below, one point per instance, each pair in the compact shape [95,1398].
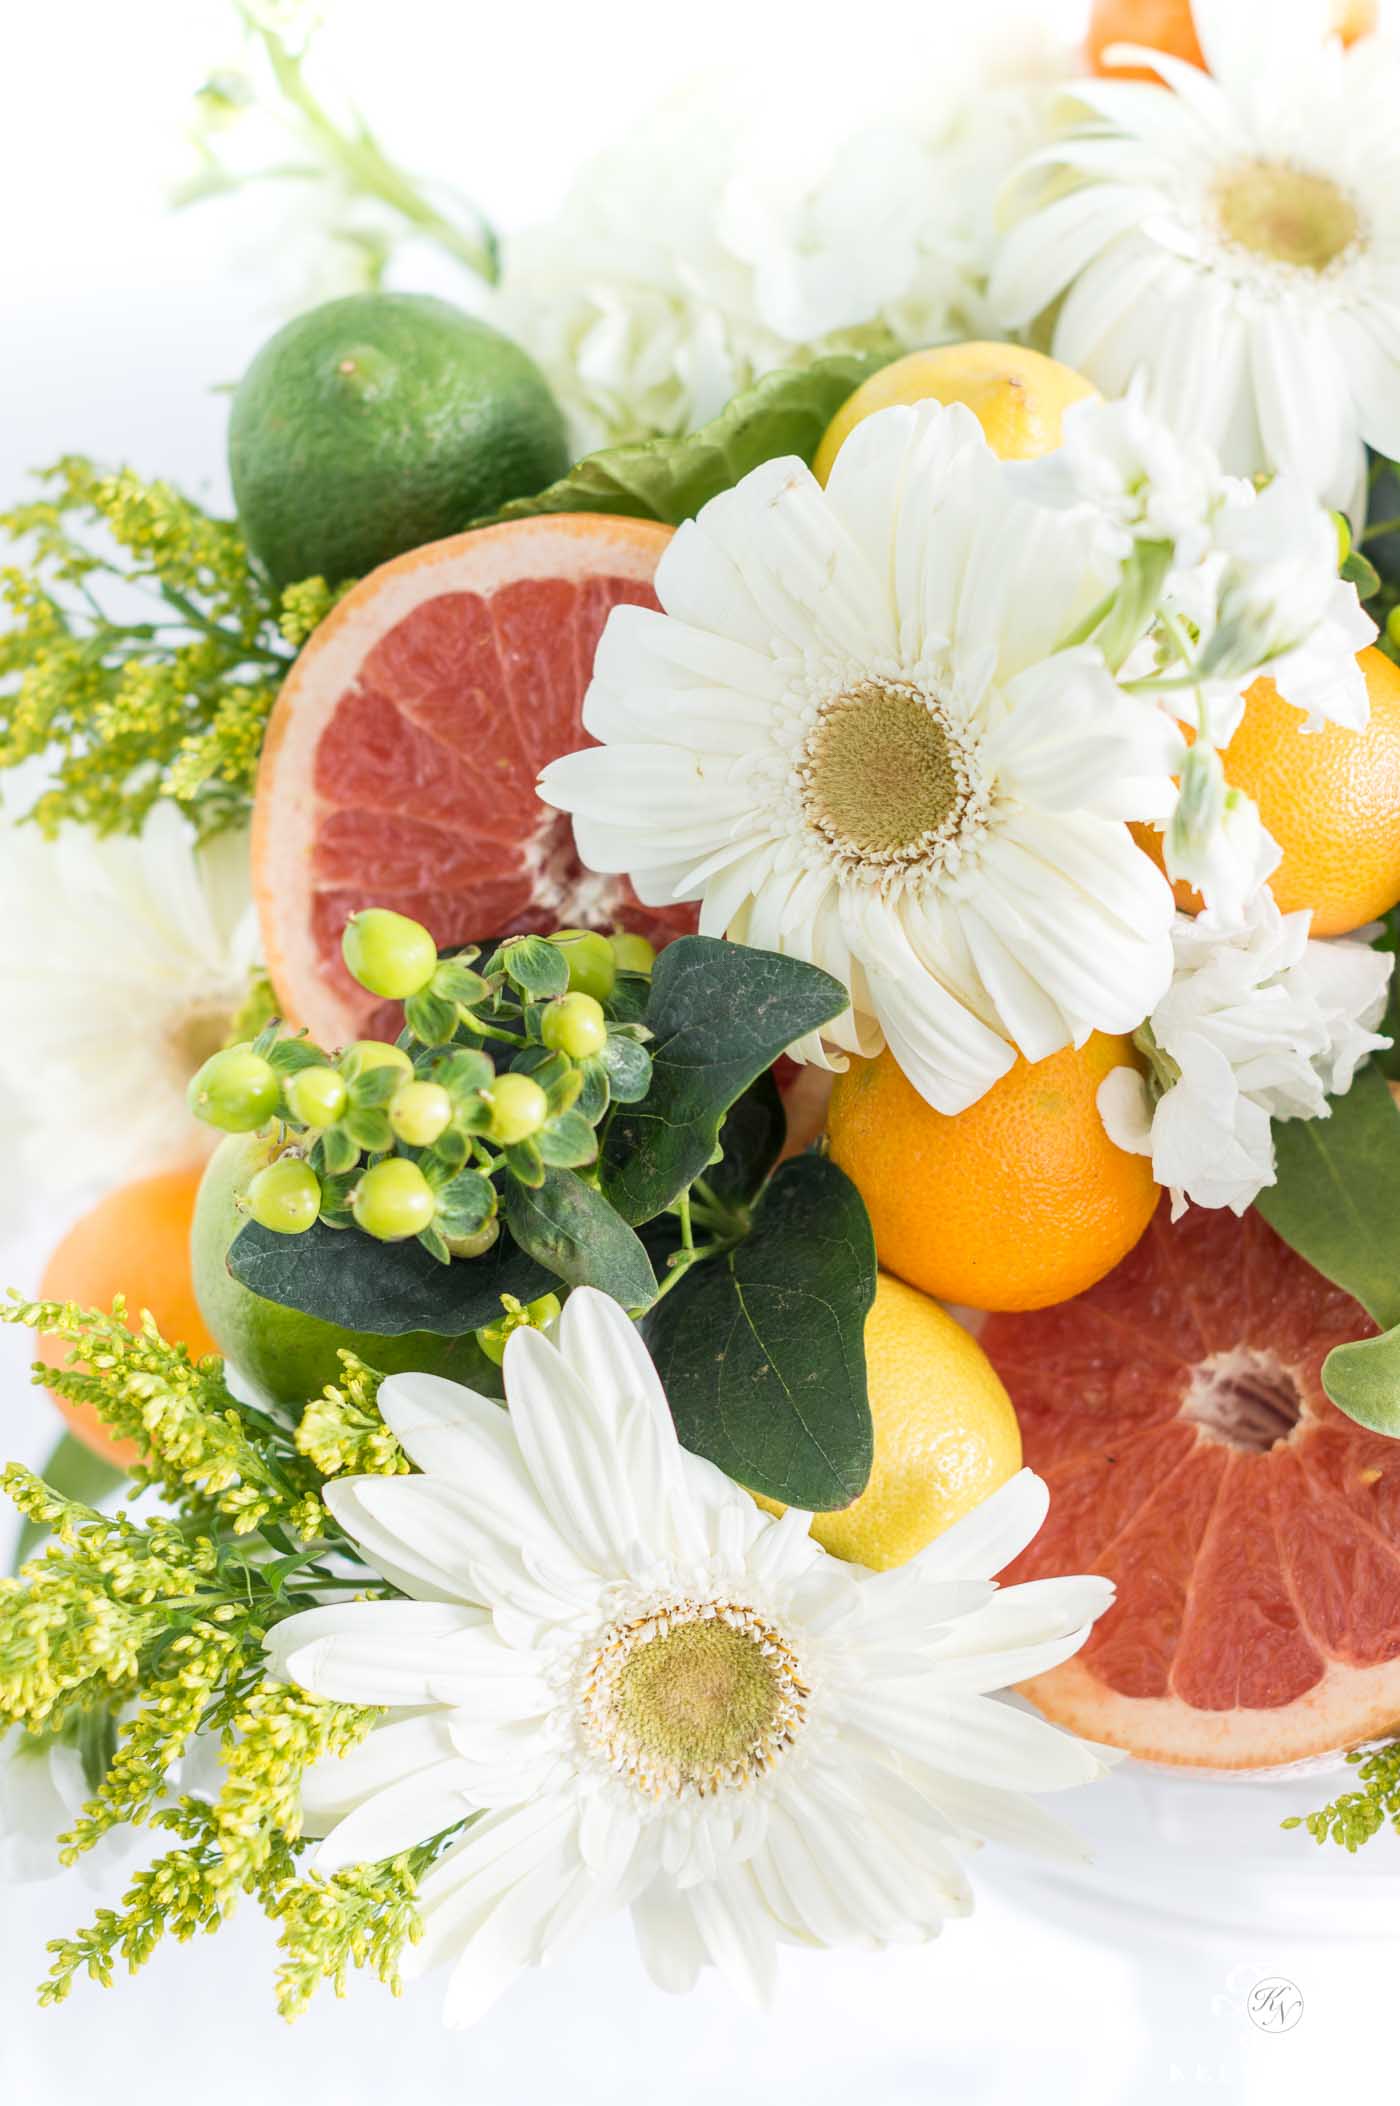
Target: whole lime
[377,423]
[285,1355]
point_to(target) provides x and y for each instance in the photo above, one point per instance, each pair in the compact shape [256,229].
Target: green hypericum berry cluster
[504,1069]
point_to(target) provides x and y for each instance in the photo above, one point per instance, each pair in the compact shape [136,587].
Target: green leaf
[347,1278]
[596,1093]
[762,1351]
[1359,571]
[466,1204]
[535,965]
[629,1068]
[369,1128]
[571,1228]
[1335,1199]
[670,479]
[430,1017]
[1363,1380]
[1388,1060]
[338,1151]
[462,1071]
[568,1142]
[524,1161]
[75,1472]
[752,1137]
[289,1055]
[720,1014]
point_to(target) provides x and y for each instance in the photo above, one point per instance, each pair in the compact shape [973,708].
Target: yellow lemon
[945,1432]
[1017,396]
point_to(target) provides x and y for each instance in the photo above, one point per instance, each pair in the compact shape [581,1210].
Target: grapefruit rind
[288,811]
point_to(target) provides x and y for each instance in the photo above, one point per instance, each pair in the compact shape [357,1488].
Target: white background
[119,323]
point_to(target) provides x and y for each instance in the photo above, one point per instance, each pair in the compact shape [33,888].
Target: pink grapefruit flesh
[400,762]
[1252,1530]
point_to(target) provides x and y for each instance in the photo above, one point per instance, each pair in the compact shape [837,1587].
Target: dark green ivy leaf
[350,1279]
[570,1227]
[720,1014]
[762,1351]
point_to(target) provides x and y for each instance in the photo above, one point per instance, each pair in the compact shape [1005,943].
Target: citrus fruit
[400,762]
[1252,1530]
[284,1355]
[375,423]
[945,1433]
[1017,396]
[136,1242]
[1168,25]
[1330,798]
[1019,1201]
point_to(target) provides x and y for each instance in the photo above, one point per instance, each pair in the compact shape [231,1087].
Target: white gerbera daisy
[1261,1022]
[129,960]
[654,1696]
[856,736]
[1231,238]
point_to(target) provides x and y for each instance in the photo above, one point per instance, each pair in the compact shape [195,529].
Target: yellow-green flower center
[696,1697]
[880,775]
[1290,215]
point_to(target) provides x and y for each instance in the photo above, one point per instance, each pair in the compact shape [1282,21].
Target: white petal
[996,1531]
[335,1785]
[386,1626]
[397,1818]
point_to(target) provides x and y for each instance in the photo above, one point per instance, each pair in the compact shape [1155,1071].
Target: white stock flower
[129,960]
[655,1696]
[1261,1022]
[1146,482]
[712,247]
[853,736]
[1230,240]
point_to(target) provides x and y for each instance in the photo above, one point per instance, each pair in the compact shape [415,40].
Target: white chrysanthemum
[128,960]
[655,1696]
[854,737]
[1145,481]
[1230,238]
[1260,1023]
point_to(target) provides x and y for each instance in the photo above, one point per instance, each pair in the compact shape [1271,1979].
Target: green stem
[682,1211]
[1082,631]
[1382,526]
[371,171]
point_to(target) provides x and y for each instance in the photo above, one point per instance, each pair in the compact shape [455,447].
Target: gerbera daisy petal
[1243,258]
[651,1694]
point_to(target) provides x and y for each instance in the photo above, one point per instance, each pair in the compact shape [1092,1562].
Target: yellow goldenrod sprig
[195,1437]
[1352,1818]
[142,652]
[362,1917]
[279,1732]
[341,1431]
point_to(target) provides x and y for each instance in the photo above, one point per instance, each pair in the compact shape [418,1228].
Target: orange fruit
[1019,1201]
[1168,25]
[1251,1529]
[400,760]
[134,1242]
[1018,396]
[1330,798]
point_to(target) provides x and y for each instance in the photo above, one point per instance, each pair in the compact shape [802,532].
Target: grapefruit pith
[1177,1413]
[400,761]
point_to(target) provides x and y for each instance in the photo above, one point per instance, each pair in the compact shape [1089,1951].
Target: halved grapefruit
[1176,1411]
[400,761]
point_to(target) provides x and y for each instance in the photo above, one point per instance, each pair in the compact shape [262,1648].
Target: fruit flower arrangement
[773,890]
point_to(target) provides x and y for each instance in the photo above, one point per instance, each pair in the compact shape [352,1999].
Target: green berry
[574,1024]
[393,1200]
[592,967]
[1392,627]
[316,1096]
[285,1197]
[389,954]
[519,1107]
[632,954]
[236,1090]
[367,1053]
[534,1316]
[419,1112]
